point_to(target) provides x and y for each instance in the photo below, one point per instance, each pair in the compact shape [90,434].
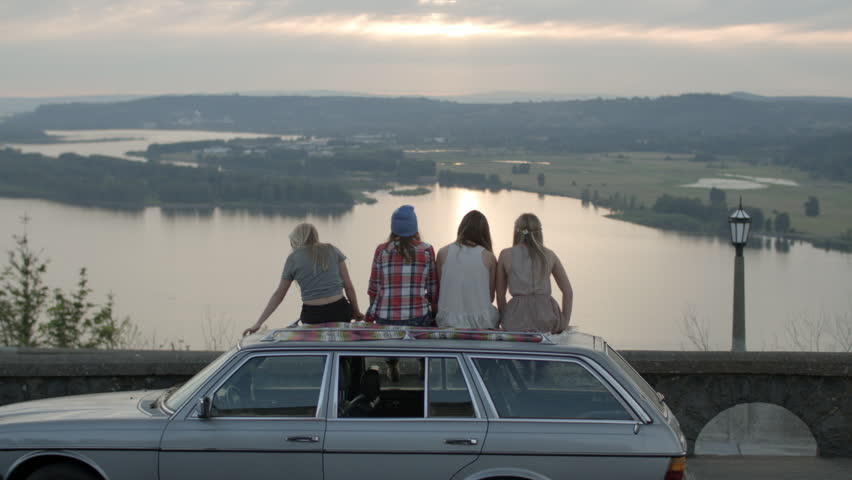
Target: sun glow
[467,200]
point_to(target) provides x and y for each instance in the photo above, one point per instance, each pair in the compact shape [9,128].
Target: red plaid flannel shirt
[399,290]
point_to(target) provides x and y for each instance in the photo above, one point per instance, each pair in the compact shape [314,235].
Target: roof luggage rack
[350,332]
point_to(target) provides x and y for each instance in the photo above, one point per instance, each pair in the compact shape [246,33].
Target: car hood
[116,419]
[79,407]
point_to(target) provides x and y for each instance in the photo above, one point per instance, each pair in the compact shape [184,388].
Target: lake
[200,278]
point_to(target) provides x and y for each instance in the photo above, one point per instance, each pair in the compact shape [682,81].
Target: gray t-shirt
[314,282]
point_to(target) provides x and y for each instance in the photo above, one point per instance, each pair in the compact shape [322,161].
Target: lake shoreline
[837,244]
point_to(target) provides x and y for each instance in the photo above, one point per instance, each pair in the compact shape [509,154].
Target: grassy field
[647,175]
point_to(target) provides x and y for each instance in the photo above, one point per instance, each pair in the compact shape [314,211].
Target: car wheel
[63,471]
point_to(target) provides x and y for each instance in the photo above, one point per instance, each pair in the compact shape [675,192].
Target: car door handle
[304,438]
[461,441]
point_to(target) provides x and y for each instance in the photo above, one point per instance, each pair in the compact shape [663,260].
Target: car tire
[63,471]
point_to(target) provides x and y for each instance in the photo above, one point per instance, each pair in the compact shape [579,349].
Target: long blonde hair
[305,236]
[528,233]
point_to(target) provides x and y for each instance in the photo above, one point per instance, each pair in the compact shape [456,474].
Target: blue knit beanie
[404,221]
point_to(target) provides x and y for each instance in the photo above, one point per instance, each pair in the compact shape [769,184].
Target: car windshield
[179,396]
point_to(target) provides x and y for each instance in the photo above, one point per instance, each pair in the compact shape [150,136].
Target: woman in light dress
[467,272]
[525,270]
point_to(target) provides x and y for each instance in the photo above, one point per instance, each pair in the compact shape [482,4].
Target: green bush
[31,317]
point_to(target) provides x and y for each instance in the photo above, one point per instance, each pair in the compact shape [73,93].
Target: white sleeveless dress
[465,301]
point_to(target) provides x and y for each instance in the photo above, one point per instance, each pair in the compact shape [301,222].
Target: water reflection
[327,211]
[782,245]
[209,213]
[120,210]
[200,213]
[169,268]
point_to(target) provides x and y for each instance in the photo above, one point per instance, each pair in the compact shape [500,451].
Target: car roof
[361,336]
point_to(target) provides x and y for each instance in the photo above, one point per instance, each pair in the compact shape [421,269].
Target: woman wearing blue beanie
[403,283]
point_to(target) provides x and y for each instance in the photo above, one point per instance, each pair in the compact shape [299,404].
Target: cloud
[813,15]
[246,18]
[406,46]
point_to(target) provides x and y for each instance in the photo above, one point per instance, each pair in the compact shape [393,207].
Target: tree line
[689,214]
[477,181]
[382,163]
[98,180]
[827,157]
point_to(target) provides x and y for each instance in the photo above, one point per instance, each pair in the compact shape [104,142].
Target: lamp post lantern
[740,224]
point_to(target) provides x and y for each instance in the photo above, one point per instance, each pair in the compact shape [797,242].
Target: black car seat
[364,405]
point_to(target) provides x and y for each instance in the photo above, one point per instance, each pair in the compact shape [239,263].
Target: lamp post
[740,224]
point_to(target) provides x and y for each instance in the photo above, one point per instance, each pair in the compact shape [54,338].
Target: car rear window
[547,389]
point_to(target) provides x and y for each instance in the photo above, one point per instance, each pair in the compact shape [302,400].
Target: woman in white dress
[467,271]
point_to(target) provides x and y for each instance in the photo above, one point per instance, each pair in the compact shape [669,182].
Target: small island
[410,192]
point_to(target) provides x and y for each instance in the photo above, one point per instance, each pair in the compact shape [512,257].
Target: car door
[400,415]
[265,422]
[552,415]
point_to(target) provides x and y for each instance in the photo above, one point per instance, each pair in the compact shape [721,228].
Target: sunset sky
[426,47]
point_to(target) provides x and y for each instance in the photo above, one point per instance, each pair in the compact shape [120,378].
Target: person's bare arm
[275,300]
[350,290]
[490,262]
[567,292]
[502,280]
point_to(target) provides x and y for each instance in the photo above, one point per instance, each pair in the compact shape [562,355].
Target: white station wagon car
[365,402]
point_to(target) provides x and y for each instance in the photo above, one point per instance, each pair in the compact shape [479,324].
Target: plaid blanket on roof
[342,332]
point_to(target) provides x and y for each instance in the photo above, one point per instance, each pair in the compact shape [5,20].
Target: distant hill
[685,122]
[519,96]
[10,105]
[804,99]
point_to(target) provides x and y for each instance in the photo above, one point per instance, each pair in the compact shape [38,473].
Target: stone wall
[817,387]
[31,374]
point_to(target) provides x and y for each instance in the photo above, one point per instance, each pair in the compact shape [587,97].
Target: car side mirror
[204,407]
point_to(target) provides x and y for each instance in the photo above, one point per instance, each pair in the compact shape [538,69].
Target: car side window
[278,386]
[448,392]
[547,389]
[381,387]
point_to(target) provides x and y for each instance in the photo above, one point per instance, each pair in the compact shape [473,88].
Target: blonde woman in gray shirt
[321,272]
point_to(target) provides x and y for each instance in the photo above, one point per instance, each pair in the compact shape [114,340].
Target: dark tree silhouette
[812,206]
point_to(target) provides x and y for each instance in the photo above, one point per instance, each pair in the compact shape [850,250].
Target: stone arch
[756,429]
[823,403]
